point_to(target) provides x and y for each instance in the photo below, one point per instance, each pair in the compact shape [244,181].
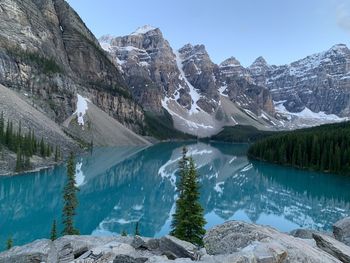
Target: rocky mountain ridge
[186,83]
[202,97]
[320,82]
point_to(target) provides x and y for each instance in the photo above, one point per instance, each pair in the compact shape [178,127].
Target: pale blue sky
[280,30]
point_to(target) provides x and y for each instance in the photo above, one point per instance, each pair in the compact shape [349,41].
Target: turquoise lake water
[122,186]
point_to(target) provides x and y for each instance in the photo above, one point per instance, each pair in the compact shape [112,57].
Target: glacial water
[122,186]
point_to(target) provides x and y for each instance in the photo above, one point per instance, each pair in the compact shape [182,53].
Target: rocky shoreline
[231,242]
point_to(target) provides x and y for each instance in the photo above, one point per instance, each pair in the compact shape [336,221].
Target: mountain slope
[15,108]
[92,125]
[47,52]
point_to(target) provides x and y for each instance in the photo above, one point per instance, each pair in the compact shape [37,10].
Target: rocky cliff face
[47,52]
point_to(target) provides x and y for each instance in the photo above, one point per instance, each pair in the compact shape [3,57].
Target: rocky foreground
[231,242]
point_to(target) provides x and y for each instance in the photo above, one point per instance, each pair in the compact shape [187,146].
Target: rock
[305,233]
[71,247]
[128,259]
[174,247]
[39,251]
[138,242]
[341,230]
[333,247]
[261,243]
[152,244]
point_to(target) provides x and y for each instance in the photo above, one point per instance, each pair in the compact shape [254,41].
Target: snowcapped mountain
[199,95]
[316,87]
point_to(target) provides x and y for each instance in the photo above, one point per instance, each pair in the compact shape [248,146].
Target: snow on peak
[339,47]
[230,62]
[143,30]
[82,107]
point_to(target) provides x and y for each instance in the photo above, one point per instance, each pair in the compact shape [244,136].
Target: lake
[122,186]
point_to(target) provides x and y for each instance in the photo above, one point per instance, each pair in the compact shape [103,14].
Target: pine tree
[42,148]
[137,229]
[9,243]
[124,233]
[2,127]
[53,234]
[178,226]
[56,154]
[70,199]
[188,221]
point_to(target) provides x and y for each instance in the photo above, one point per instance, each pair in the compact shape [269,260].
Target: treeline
[240,134]
[325,148]
[24,144]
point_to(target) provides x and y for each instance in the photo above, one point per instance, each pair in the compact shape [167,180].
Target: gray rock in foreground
[341,230]
[333,247]
[257,243]
[232,242]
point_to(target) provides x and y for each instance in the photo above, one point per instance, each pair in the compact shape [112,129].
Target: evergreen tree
[70,199]
[42,148]
[53,234]
[9,243]
[124,233]
[56,154]
[188,221]
[2,127]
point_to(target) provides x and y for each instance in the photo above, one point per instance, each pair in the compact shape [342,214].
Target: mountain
[316,87]
[200,96]
[49,55]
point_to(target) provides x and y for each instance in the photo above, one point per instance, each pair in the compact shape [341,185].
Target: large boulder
[341,230]
[333,247]
[306,233]
[71,247]
[174,248]
[262,244]
[39,251]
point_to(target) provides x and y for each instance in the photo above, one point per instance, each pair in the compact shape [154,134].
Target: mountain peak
[339,48]
[260,61]
[230,62]
[143,30]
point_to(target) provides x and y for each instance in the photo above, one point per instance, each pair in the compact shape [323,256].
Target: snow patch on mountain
[307,114]
[143,30]
[193,92]
[82,107]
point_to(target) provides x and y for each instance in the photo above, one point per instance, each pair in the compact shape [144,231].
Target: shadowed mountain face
[119,187]
[47,54]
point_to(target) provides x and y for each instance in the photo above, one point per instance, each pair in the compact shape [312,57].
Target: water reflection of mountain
[119,187]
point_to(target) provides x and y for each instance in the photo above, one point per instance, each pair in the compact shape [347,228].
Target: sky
[281,31]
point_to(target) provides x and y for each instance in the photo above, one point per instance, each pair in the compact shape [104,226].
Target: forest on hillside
[324,148]
[24,144]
